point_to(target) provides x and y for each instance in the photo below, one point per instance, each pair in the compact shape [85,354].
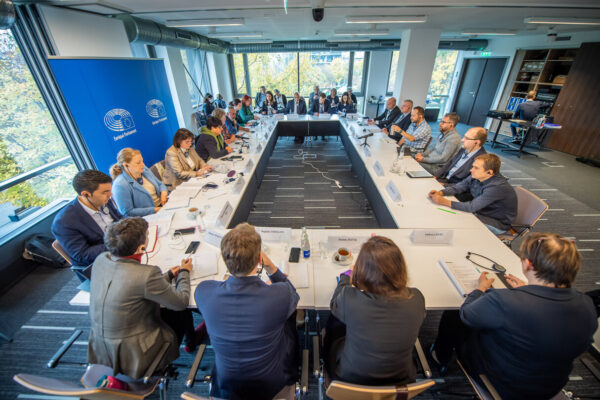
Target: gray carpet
[568,216]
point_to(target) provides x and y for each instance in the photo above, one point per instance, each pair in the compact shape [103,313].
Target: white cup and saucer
[343,257]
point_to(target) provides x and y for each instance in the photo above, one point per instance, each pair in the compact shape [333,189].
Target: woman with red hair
[245,114]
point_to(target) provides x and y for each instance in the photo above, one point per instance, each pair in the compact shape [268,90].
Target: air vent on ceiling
[563,38]
[277,45]
[181,35]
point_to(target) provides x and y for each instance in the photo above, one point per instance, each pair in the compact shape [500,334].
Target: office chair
[138,388]
[427,144]
[530,209]
[158,169]
[339,390]
[59,249]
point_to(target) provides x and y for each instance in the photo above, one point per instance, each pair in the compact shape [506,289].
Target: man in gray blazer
[129,328]
[445,147]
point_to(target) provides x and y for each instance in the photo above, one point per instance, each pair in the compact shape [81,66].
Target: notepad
[464,277]
[297,273]
[205,264]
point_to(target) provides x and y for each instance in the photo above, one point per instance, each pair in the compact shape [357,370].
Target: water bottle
[305,243]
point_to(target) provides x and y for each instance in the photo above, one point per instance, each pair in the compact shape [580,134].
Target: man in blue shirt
[417,134]
[527,111]
[260,97]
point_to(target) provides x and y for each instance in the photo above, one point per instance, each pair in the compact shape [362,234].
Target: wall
[377,79]
[218,66]
[79,34]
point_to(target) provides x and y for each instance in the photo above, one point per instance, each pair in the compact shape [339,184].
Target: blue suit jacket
[79,234]
[316,105]
[289,108]
[246,321]
[131,197]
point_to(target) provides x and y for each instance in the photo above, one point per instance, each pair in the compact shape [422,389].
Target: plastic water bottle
[305,243]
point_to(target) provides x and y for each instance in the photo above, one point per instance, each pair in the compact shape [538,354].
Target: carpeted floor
[37,309]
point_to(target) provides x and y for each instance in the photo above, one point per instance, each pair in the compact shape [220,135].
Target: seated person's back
[251,324]
[80,226]
[382,318]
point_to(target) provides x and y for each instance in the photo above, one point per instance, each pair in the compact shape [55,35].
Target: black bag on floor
[38,248]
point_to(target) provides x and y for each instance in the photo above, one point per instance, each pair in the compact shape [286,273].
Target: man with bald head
[402,122]
[388,116]
[459,167]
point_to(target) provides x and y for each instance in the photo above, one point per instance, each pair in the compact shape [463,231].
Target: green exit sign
[486,54]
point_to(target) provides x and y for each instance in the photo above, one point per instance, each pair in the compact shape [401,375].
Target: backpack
[38,248]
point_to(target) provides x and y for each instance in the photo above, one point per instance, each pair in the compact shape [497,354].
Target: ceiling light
[562,21]
[391,19]
[244,41]
[334,40]
[182,23]
[483,31]
[352,32]
[237,35]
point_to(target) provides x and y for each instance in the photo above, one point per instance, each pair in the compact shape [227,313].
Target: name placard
[269,234]
[393,192]
[239,185]
[249,167]
[352,243]
[258,149]
[367,151]
[225,214]
[213,237]
[378,169]
[432,236]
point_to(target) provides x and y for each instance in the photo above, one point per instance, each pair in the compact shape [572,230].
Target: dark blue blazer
[464,170]
[526,339]
[289,108]
[403,123]
[79,234]
[347,108]
[246,320]
[316,105]
[527,110]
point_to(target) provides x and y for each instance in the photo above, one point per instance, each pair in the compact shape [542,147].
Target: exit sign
[486,54]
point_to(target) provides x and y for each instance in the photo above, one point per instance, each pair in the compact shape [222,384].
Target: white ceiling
[269,17]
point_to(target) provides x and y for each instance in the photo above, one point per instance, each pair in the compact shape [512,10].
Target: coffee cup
[342,254]
[193,212]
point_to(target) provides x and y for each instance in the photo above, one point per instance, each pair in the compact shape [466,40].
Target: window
[441,79]
[35,166]
[280,71]
[393,71]
[197,75]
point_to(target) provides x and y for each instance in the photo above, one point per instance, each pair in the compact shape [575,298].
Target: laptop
[418,174]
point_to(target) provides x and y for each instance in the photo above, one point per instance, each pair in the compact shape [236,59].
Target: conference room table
[315,277]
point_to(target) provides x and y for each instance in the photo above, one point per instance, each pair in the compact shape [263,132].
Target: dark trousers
[182,323]
[335,335]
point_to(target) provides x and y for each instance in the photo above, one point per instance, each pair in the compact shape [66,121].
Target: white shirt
[188,159]
[103,220]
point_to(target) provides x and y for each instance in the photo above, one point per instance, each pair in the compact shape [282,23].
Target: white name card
[378,169]
[213,237]
[249,167]
[269,234]
[239,185]
[258,148]
[367,151]
[393,192]
[431,236]
[352,243]
[292,117]
[225,215]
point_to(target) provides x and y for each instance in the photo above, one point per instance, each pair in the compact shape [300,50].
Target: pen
[338,279]
[448,211]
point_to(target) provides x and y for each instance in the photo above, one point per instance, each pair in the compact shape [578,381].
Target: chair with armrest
[59,249]
[530,209]
[427,144]
[137,388]
[338,390]
[158,169]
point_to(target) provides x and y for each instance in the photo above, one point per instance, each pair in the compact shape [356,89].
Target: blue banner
[119,103]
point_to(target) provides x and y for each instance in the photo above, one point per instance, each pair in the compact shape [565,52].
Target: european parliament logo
[155,108]
[118,120]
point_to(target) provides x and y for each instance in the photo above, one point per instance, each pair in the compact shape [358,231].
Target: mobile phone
[294,255]
[192,247]
[185,231]
[502,278]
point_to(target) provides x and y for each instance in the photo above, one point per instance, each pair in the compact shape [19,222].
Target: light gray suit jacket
[177,170]
[127,331]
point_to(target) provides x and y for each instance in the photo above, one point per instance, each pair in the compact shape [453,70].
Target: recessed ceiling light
[562,21]
[484,31]
[182,23]
[352,32]
[390,19]
[236,34]
[334,40]
[244,41]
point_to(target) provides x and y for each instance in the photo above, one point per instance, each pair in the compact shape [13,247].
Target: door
[478,86]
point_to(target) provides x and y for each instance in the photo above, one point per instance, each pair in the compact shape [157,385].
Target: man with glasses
[494,199]
[403,120]
[446,146]
[459,167]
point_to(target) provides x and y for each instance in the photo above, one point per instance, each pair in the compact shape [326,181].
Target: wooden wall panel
[577,107]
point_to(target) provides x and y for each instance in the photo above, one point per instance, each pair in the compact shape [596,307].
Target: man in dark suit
[80,226]
[296,106]
[251,324]
[280,99]
[260,97]
[459,167]
[527,111]
[321,106]
[402,121]
[388,116]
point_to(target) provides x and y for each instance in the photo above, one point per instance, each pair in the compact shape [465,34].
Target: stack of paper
[205,264]
[177,202]
[161,220]
[463,276]
[297,273]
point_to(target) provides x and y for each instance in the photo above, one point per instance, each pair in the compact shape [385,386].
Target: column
[178,84]
[218,67]
[415,64]
[377,81]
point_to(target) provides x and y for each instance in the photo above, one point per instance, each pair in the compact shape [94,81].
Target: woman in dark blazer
[524,339]
[346,105]
[269,105]
[375,319]
[334,101]
[207,105]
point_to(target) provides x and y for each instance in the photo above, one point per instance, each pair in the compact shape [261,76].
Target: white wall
[178,84]
[218,67]
[80,34]
[377,79]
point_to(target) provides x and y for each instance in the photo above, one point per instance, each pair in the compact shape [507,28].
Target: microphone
[366,136]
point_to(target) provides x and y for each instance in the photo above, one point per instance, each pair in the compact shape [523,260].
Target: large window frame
[251,91]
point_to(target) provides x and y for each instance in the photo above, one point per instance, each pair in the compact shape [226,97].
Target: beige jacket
[177,170]
[127,331]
